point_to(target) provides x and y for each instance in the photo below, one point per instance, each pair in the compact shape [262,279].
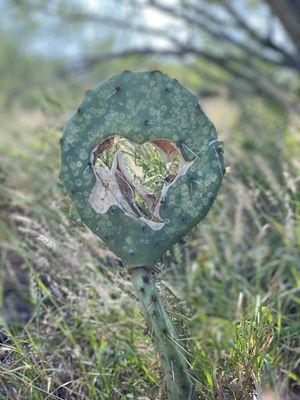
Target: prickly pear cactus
[141,107]
[144,107]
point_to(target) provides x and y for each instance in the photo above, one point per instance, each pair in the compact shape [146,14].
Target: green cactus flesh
[173,355]
[141,107]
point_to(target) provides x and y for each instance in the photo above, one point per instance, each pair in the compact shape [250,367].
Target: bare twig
[218,34]
[290,59]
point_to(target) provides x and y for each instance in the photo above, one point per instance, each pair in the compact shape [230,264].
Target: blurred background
[70,327]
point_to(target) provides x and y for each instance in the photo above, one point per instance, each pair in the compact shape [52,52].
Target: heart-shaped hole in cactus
[135,177]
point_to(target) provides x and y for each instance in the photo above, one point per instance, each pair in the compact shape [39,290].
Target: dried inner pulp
[135,177]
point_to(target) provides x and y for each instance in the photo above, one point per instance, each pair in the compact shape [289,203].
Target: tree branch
[258,82]
[290,60]
[217,34]
[118,23]
[288,12]
[179,48]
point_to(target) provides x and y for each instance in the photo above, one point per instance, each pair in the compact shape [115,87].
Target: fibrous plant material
[139,221]
[120,182]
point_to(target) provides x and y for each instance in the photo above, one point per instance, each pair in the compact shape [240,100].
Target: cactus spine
[163,331]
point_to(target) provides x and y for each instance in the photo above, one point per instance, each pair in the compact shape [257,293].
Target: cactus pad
[140,107]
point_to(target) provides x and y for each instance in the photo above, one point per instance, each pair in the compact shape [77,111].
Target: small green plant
[140,221]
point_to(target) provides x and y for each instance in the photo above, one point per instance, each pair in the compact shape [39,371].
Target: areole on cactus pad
[141,107]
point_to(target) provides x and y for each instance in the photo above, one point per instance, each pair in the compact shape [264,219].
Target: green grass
[71,326]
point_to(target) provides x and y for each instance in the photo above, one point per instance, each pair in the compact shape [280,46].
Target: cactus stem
[176,368]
